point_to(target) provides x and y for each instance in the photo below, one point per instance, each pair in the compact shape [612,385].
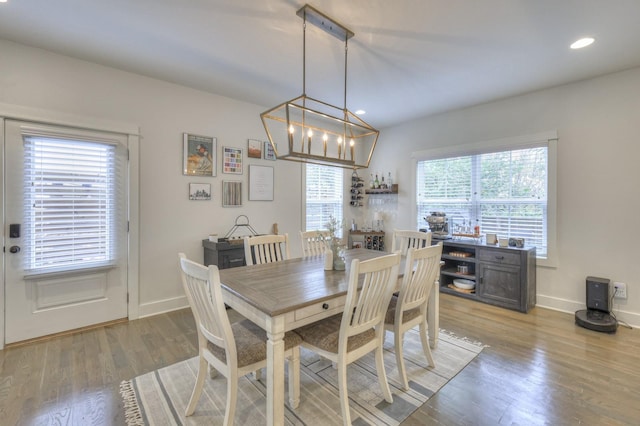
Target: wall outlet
[621,292]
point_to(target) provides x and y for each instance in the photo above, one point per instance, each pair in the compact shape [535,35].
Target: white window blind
[503,192]
[70,203]
[324,192]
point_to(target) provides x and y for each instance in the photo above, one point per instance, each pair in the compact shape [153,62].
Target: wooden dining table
[282,296]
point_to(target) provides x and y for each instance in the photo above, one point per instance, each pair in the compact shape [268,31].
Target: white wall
[597,121]
[169,222]
[598,125]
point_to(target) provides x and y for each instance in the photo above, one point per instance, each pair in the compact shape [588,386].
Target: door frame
[15,112]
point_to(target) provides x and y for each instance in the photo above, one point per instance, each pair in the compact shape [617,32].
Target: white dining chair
[403,240]
[314,243]
[233,350]
[409,307]
[346,337]
[266,249]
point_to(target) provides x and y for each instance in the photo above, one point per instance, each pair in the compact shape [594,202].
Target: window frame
[304,195]
[114,197]
[549,138]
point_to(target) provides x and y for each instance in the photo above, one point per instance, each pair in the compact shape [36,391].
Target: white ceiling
[409,58]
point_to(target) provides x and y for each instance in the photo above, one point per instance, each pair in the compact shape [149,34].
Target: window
[504,192]
[70,190]
[324,189]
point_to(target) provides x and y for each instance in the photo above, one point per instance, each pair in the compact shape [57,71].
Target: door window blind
[503,192]
[324,192]
[70,202]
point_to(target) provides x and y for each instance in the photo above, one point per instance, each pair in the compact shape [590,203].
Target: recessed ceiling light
[583,42]
[361,112]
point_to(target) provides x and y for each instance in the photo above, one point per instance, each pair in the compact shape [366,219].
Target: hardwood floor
[539,368]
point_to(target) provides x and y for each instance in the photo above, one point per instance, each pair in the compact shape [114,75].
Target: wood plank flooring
[539,368]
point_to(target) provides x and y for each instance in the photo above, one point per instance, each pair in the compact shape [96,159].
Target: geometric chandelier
[308,130]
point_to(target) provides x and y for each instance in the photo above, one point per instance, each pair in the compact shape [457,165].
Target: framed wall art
[231,193]
[232,160]
[260,183]
[199,191]
[199,155]
[269,153]
[254,148]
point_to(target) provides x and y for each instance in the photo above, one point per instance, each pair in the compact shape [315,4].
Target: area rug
[160,397]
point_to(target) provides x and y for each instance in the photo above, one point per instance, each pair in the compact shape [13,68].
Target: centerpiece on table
[336,244]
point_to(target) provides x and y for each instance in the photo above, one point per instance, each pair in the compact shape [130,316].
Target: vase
[338,260]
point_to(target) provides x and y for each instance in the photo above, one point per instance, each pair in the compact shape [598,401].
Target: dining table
[285,295]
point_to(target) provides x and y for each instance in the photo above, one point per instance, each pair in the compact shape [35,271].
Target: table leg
[433,315]
[275,376]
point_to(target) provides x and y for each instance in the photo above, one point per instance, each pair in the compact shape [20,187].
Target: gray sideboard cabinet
[503,276]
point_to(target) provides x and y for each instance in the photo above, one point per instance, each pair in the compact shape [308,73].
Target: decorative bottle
[376,183]
[389,181]
[328,259]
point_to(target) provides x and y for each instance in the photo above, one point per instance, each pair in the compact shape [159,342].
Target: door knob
[14,249]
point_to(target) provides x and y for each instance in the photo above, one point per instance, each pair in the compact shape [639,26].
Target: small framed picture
[254,149]
[260,183]
[199,155]
[199,191]
[232,160]
[231,193]
[269,153]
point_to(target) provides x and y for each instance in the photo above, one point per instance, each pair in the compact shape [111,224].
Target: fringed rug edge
[132,412]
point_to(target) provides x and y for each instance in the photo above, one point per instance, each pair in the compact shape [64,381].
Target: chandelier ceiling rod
[314,16]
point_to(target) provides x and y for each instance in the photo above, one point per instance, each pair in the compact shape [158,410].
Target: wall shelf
[392,190]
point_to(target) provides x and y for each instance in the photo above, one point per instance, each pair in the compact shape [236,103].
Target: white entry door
[66,229]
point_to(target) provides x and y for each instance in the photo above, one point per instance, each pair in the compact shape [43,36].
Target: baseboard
[162,306]
[571,306]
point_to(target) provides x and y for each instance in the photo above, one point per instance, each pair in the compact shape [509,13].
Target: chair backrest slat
[403,240]
[366,307]
[204,293]
[314,243]
[421,271]
[266,249]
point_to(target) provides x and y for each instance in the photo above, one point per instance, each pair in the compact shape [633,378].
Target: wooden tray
[462,290]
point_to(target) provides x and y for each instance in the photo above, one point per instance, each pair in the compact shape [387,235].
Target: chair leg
[398,337]
[232,396]
[344,397]
[425,343]
[382,375]
[213,373]
[294,378]
[257,375]
[197,388]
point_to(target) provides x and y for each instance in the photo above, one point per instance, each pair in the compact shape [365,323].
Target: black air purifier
[597,315]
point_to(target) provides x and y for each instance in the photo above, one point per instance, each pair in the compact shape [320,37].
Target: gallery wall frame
[232,160]
[254,148]
[198,155]
[231,193]
[269,153]
[260,183]
[200,191]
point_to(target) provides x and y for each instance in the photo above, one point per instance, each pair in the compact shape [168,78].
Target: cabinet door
[500,285]
[231,258]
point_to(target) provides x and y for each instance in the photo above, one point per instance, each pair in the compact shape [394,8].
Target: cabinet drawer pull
[325,306]
[500,257]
